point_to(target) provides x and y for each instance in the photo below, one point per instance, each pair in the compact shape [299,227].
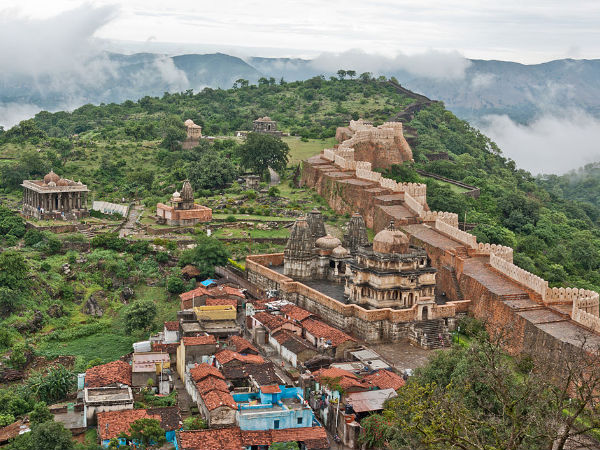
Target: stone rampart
[413,205]
[461,236]
[506,253]
[329,154]
[519,275]
[447,217]
[567,295]
[582,312]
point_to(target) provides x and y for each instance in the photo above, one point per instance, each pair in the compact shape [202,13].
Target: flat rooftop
[108,394]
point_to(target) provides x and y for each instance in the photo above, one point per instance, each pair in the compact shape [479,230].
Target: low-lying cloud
[549,144]
[431,64]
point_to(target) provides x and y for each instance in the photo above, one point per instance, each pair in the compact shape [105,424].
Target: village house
[102,399]
[114,373]
[194,350]
[308,438]
[293,348]
[272,408]
[199,295]
[154,367]
[212,396]
[326,338]
[111,424]
[264,325]
[241,345]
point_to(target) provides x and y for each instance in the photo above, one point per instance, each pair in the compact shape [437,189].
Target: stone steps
[427,334]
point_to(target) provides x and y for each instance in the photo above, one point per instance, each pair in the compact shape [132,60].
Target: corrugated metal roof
[370,400]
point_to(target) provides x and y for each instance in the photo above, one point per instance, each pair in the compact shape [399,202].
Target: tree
[40,414]
[173,133]
[208,253]
[194,423]
[261,151]
[13,270]
[341,74]
[139,315]
[478,397]
[351,73]
[51,435]
[175,285]
[212,171]
[147,432]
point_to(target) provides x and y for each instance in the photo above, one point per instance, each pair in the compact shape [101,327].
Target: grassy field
[300,150]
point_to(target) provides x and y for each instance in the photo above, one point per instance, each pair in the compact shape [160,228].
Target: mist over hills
[480,88]
[533,112]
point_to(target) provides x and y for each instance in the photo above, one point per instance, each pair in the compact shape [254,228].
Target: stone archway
[425,313]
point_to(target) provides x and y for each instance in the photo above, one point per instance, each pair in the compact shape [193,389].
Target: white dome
[176,194]
[52,184]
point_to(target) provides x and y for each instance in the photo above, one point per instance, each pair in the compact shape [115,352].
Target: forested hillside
[130,150]
[582,184]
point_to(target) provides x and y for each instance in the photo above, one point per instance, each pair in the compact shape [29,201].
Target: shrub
[175,285]
[7,419]
[230,218]
[45,267]
[194,423]
[250,195]
[140,315]
[273,191]
[162,257]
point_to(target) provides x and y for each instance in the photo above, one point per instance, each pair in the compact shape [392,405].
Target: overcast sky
[527,31]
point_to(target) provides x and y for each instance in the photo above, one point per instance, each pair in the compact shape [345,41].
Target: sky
[529,31]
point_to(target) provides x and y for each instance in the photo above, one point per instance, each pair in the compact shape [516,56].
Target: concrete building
[272,408]
[151,366]
[103,399]
[54,198]
[183,211]
[194,350]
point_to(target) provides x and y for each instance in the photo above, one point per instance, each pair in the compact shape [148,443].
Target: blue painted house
[112,423]
[272,408]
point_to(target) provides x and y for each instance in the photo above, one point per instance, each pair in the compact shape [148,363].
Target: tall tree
[208,253]
[261,151]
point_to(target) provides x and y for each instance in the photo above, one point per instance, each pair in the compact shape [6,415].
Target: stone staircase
[426,334]
[461,252]
[88,233]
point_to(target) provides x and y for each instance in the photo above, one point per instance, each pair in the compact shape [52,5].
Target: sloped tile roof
[215,399]
[198,292]
[114,372]
[172,326]
[221,301]
[347,379]
[271,389]
[204,370]
[199,340]
[226,290]
[167,348]
[211,384]
[385,379]
[226,356]
[270,321]
[242,345]
[314,438]
[113,423]
[212,439]
[295,312]
[322,330]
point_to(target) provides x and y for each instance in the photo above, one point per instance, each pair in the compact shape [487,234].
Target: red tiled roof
[199,340]
[241,345]
[221,301]
[295,312]
[269,321]
[167,348]
[347,379]
[172,326]
[273,389]
[204,370]
[259,305]
[198,292]
[113,423]
[212,439]
[321,330]
[226,356]
[282,335]
[314,438]
[227,290]
[385,379]
[215,399]
[106,374]
[211,384]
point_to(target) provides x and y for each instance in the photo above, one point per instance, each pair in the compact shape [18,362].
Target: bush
[140,315]
[194,423]
[162,257]
[250,195]
[230,219]
[273,191]
[175,285]
[45,267]
[7,419]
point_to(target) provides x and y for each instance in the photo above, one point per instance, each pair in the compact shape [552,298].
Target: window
[276,424]
[299,420]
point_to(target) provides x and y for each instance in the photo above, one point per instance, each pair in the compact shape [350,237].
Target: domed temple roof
[390,240]
[63,182]
[51,177]
[340,252]
[328,242]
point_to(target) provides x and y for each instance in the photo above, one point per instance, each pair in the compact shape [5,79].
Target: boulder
[92,305]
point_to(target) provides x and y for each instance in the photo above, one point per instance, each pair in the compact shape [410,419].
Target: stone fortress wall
[351,185]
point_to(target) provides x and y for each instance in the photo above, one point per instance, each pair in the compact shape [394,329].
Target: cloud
[431,64]
[549,144]
[12,113]
[482,80]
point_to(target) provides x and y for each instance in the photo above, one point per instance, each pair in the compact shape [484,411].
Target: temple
[194,134]
[183,211]
[54,198]
[265,125]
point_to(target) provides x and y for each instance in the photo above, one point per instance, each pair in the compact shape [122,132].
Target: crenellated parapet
[461,236]
[521,276]
[442,216]
[500,251]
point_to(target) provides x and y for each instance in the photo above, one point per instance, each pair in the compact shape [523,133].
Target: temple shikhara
[54,197]
[194,134]
[183,211]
